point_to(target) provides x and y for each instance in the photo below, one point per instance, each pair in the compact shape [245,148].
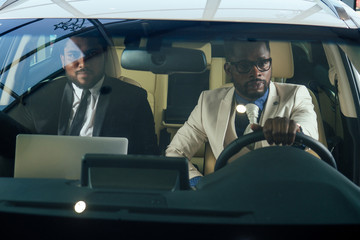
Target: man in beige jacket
[284,108]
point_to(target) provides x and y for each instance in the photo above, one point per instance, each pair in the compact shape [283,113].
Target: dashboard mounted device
[134,172]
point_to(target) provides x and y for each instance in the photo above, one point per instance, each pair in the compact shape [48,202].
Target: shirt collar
[260,102]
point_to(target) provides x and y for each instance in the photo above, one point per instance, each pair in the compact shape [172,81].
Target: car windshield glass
[179,90]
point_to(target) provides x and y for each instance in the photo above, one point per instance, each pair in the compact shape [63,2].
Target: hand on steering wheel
[279,130]
[235,146]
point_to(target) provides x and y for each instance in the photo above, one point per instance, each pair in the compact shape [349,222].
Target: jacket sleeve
[189,138]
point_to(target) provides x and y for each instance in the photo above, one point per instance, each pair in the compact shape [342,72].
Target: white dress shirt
[87,128]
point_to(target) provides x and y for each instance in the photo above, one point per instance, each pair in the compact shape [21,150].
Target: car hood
[299,12]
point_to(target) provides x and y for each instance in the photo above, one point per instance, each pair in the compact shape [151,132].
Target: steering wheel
[235,146]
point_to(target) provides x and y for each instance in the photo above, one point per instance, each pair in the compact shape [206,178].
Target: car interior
[173,93]
[174,61]
[171,107]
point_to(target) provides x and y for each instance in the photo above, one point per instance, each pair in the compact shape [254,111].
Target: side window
[357,77]
[5,99]
[29,60]
[29,53]
[43,59]
[13,66]
[44,48]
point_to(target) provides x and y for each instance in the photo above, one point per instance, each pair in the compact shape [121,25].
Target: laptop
[54,156]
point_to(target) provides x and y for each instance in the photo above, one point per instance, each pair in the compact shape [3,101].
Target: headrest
[112,63]
[282,60]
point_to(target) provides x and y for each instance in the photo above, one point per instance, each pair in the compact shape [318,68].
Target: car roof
[330,13]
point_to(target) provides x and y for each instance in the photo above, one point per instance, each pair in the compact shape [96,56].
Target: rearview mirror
[164,61]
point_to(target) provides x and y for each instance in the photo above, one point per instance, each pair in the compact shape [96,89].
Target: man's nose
[254,70]
[82,60]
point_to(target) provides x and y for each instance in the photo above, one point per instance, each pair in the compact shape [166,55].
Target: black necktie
[78,120]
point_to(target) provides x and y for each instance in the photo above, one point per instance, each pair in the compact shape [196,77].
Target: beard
[253,95]
[85,83]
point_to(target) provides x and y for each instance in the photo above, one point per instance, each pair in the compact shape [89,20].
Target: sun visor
[164,61]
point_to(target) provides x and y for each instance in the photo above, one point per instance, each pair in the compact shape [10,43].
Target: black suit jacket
[122,111]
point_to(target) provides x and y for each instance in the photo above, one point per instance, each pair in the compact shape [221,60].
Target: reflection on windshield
[180,89]
[32,50]
[90,63]
[71,24]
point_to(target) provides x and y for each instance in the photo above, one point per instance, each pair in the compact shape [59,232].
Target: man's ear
[227,69]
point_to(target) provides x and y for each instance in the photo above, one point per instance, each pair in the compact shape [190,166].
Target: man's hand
[279,130]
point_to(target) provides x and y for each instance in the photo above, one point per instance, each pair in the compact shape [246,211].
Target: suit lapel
[65,109]
[271,106]
[223,116]
[101,108]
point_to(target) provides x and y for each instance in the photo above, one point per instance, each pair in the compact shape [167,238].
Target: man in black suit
[114,108]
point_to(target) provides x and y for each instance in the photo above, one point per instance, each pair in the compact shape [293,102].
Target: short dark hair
[229,46]
[94,34]
[61,43]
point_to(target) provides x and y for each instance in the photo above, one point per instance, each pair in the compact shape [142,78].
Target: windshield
[157,102]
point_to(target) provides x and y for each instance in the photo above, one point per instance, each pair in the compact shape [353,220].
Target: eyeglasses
[245,66]
[74,55]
